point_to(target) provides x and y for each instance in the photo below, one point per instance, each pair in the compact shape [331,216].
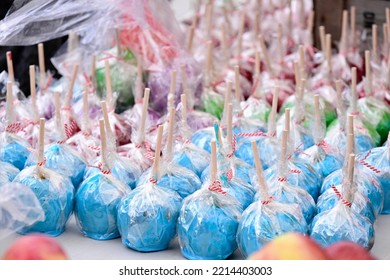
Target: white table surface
[79,247]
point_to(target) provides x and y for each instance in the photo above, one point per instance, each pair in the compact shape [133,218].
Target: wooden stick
[302,13]
[287,119]
[301,90]
[57,109]
[106,118]
[237,87]
[353,89]
[93,71]
[350,146]
[72,41]
[272,117]
[375,42]
[385,40]
[257,23]
[209,16]
[33,92]
[317,111]
[328,40]
[183,77]
[172,87]
[107,72]
[103,142]
[191,35]
[209,64]
[145,105]
[322,39]
[344,30]
[280,42]
[297,75]
[302,66]
[214,166]
[10,66]
[41,147]
[350,174]
[157,154]
[353,26]
[311,26]
[10,103]
[230,123]
[283,153]
[266,57]
[387,11]
[260,174]
[368,72]
[69,95]
[339,91]
[351,126]
[42,67]
[118,42]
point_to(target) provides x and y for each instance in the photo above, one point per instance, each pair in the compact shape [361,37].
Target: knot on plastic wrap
[216,186]
[153,180]
[339,195]
[282,179]
[89,83]
[48,83]
[101,168]
[268,200]
[42,163]
[14,128]
[148,150]
[325,146]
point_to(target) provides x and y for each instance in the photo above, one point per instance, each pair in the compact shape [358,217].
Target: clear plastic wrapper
[378,163]
[55,194]
[96,206]
[299,173]
[19,208]
[85,145]
[192,157]
[262,222]
[202,138]
[365,183]
[174,177]
[123,169]
[212,102]
[207,225]
[198,120]
[8,170]
[147,218]
[375,113]
[360,203]
[14,149]
[342,224]
[256,109]
[62,159]
[321,156]
[122,73]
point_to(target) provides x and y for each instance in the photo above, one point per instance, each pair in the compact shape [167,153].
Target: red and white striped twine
[216,186]
[268,201]
[345,202]
[324,145]
[100,167]
[369,166]
[42,163]
[153,180]
[14,128]
[282,179]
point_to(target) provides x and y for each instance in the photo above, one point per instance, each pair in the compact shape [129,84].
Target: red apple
[35,247]
[291,246]
[346,250]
